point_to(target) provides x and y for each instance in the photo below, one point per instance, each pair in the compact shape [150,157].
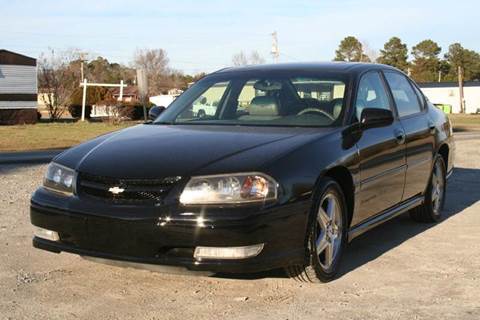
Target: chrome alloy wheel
[329,226]
[438,188]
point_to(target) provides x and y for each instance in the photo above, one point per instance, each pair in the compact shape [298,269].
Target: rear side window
[371,94]
[403,93]
[420,96]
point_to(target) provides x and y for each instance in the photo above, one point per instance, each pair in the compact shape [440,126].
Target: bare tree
[370,52]
[56,81]
[256,58]
[155,62]
[241,59]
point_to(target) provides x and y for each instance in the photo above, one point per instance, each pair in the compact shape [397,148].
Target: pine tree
[458,56]
[426,63]
[395,54]
[350,49]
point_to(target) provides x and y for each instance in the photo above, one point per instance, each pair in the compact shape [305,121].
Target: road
[401,270]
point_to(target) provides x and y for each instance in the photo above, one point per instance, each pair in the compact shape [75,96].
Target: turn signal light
[227,252]
[46,234]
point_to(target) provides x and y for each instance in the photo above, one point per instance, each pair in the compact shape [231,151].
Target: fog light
[227,252]
[46,234]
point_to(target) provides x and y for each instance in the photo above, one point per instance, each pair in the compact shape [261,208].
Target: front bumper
[169,236]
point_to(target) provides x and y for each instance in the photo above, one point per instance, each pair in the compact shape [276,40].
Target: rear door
[381,151]
[419,130]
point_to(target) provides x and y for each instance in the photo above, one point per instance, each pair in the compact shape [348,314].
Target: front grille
[125,190]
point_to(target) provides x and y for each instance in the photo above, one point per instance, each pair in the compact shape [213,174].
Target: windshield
[235,99]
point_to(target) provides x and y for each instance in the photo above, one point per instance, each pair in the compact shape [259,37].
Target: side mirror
[374,118]
[154,112]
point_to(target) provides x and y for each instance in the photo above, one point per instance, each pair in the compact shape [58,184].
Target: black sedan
[287,164]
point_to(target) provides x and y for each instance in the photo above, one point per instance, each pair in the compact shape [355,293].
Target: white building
[164,100]
[448,93]
[18,88]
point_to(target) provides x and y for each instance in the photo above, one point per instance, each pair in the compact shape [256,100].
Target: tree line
[426,65]
[60,73]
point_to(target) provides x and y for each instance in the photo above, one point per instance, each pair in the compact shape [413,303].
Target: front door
[381,152]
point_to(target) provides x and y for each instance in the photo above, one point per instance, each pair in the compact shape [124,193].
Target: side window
[371,94]
[405,97]
[420,96]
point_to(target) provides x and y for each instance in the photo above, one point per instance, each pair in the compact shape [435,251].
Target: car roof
[344,67]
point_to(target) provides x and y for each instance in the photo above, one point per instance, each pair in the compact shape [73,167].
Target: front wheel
[431,209]
[327,235]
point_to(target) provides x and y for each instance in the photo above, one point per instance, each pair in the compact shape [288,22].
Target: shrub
[133,111]
[76,111]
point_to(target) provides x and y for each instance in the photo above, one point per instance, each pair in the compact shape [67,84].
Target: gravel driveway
[401,270]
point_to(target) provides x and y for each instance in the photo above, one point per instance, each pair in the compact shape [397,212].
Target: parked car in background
[203,108]
[289,164]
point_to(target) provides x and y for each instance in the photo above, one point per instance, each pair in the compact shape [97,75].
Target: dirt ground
[401,270]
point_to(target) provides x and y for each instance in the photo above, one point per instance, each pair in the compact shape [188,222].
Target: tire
[431,210]
[327,227]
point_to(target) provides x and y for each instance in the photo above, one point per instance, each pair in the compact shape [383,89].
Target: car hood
[154,151]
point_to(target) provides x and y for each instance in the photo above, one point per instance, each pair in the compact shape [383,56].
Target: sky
[203,35]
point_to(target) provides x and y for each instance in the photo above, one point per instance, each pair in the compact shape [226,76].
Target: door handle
[400,136]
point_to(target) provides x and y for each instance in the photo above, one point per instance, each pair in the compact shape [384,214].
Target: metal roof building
[18,88]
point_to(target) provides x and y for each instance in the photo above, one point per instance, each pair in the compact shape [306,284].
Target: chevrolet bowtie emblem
[116,190]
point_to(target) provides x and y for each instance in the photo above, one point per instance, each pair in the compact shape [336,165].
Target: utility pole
[275,50]
[82,59]
[81,71]
[439,75]
[460,87]
[142,80]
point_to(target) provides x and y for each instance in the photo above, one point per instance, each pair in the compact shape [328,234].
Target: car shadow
[12,168]
[463,190]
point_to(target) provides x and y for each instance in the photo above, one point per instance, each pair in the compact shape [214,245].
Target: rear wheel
[431,209]
[326,236]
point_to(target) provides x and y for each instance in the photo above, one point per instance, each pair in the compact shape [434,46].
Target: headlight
[60,179]
[229,189]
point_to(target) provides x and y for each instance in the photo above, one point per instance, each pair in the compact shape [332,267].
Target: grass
[43,136]
[465,122]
